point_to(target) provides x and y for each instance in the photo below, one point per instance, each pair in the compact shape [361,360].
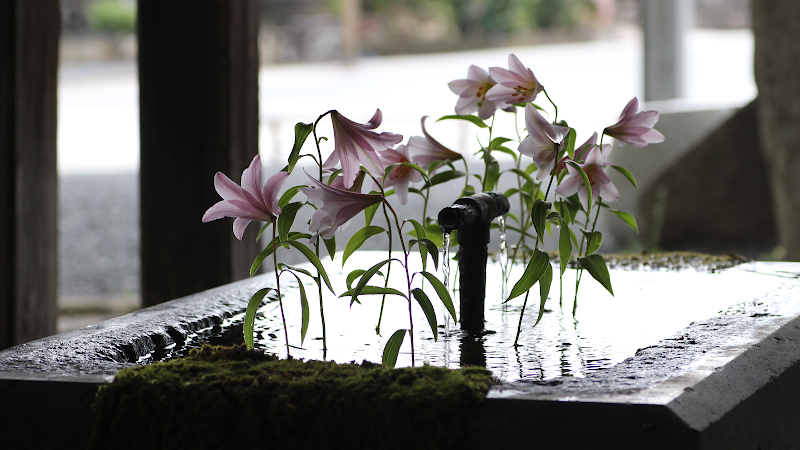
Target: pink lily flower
[635,128]
[355,145]
[425,150]
[249,201]
[517,84]
[583,150]
[601,184]
[472,91]
[335,207]
[543,141]
[400,176]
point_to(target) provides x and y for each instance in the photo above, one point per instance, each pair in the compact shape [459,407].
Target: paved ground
[98,131]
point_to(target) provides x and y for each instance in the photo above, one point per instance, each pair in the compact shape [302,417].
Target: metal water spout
[472,216]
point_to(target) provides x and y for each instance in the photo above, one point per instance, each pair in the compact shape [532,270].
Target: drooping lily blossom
[635,128]
[249,201]
[472,91]
[582,150]
[356,145]
[543,141]
[598,180]
[425,150]
[334,206]
[517,84]
[400,176]
[338,183]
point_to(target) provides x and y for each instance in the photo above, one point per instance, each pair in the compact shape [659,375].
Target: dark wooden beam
[29,34]
[198,94]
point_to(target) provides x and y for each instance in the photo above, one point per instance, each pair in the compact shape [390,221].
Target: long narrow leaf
[442,292]
[586,181]
[288,195]
[596,266]
[374,290]
[301,132]
[286,219]
[593,241]
[250,315]
[473,119]
[539,215]
[533,272]
[392,348]
[564,246]
[261,257]
[627,175]
[369,213]
[303,306]
[365,279]
[627,218]
[330,245]
[427,308]
[544,289]
[312,258]
[358,240]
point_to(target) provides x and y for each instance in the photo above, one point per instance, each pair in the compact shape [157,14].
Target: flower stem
[408,276]
[552,103]
[316,248]
[278,289]
[521,313]
[588,241]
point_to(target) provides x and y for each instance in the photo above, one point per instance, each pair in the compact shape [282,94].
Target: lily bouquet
[546,159]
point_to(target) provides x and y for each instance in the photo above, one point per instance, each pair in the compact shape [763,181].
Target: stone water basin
[676,359]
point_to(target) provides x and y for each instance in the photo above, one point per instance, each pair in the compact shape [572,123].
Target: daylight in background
[396,55]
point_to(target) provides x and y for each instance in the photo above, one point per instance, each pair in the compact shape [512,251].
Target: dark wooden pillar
[29,33]
[198,96]
[776,61]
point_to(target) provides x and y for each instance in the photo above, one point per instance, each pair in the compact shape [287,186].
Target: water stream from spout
[503,257]
[446,273]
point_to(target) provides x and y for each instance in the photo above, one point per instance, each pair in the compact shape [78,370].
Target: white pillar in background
[665,23]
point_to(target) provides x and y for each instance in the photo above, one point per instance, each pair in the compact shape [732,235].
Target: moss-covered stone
[223,397]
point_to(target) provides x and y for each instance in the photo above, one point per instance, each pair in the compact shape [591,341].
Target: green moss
[227,397]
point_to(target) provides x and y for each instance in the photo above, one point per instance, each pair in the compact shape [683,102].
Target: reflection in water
[647,307]
[472,351]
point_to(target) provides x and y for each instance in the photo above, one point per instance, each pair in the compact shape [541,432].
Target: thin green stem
[552,103]
[318,278]
[588,242]
[278,289]
[521,313]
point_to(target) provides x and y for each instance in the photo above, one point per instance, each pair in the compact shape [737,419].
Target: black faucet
[472,216]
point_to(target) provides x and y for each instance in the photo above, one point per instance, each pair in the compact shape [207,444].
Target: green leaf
[262,256]
[288,195]
[419,230]
[564,246]
[358,240]
[373,290]
[585,181]
[523,174]
[442,292]
[301,132]
[492,173]
[286,219]
[473,119]
[426,246]
[352,276]
[443,177]
[312,258]
[365,279]
[282,266]
[261,231]
[627,218]
[330,245]
[392,348]
[250,315]
[369,212]
[427,308]
[593,241]
[544,289]
[596,266]
[539,215]
[303,305]
[627,174]
[569,144]
[533,272]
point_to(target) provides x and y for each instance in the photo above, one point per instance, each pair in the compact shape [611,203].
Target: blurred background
[396,55]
